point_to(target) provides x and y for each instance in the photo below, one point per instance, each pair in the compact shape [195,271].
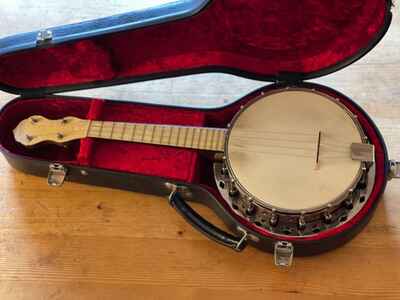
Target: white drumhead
[272,150]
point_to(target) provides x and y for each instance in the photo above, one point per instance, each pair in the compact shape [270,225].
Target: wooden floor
[81,242]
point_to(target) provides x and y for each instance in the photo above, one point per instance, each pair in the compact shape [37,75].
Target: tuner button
[34,120]
[64,121]
[29,138]
[60,136]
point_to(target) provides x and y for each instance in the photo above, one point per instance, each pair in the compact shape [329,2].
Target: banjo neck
[38,129]
[202,138]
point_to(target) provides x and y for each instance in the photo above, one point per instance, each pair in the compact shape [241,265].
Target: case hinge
[57,175]
[289,78]
[394,171]
[44,37]
[283,254]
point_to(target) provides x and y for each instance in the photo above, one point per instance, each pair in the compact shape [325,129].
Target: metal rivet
[44,36]
[327,217]
[273,221]
[251,209]
[349,204]
[233,191]
[84,173]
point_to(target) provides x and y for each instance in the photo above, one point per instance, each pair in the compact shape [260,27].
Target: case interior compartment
[184,165]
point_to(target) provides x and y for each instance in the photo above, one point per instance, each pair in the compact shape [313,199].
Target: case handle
[202,225]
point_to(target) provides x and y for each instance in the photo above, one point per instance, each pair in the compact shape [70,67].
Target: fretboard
[212,139]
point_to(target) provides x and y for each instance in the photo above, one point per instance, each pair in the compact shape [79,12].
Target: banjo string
[332,141]
[280,153]
[243,143]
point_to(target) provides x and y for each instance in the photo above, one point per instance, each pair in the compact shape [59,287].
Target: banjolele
[294,138]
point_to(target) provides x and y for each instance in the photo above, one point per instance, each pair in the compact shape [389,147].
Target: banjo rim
[250,197]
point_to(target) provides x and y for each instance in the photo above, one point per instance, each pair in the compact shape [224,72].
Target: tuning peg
[35,120]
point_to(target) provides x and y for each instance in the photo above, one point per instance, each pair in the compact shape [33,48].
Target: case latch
[283,254]
[394,171]
[57,175]
[44,37]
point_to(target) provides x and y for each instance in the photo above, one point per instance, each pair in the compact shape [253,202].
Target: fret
[206,138]
[126,133]
[144,132]
[101,129]
[118,128]
[178,136]
[170,136]
[200,135]
[104,132]
[112,130]
[194,138]
[123,131]
[152,134]
[133,133]
[199,139]
[92,127]
[213,139]
[193,132]
[162,134]
[217,140]
[186,136]
[222,139]
[95,127]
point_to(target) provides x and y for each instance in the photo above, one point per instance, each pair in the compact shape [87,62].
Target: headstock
[38,129]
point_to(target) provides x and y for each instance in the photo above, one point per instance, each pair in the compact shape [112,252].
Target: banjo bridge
[363,152]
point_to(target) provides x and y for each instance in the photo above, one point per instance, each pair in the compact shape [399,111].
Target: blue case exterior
[154,15]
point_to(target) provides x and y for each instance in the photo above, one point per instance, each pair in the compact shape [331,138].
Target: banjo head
[289,153]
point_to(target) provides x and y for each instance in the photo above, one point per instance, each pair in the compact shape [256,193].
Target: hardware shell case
[284,42]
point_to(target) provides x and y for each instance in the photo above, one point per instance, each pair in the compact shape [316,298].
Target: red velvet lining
[257,36]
